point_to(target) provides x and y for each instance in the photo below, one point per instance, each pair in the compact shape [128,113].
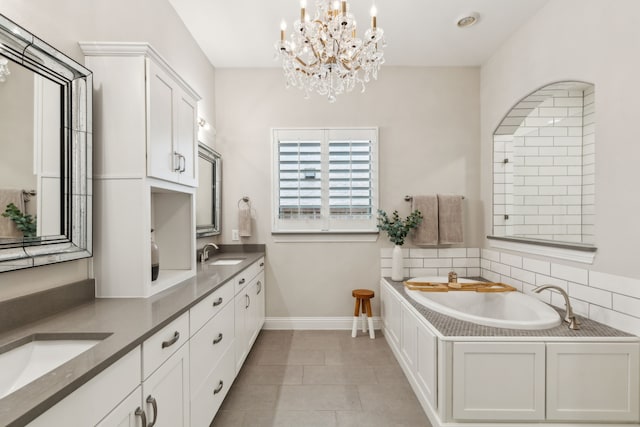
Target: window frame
[325,225]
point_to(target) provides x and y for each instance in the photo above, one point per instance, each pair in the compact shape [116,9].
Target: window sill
[567,251]
[324,236]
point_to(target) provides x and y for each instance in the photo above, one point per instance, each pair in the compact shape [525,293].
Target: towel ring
[246,200]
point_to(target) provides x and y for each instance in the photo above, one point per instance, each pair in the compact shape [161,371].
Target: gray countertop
[450,327]
[129,321]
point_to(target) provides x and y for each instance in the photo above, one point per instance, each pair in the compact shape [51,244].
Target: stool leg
[372,334]
[364,316]
[354,327]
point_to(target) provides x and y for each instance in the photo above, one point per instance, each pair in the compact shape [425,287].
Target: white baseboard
[314,323]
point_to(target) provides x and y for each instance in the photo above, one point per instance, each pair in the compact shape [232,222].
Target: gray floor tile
[286,356]
[318,398]
[381,419]
[339,374]
[251,397]
[391,397]
[269,374]
[359,357]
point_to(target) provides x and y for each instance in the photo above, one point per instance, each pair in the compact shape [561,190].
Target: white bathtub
[513,310]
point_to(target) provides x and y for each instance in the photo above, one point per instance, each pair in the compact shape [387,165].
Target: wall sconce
[4,69]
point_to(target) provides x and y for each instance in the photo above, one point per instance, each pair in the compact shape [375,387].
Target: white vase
[396,264]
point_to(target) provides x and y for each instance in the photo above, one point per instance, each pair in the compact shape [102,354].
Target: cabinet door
[256,308]
[168,387]
[241,341]
[426,368]
[161,160]
[391,316]
[127,413]
[409,338]
[186,141]
[498,381]
[592,382]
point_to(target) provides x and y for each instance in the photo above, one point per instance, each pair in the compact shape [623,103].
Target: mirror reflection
[209,190]
[544,166]
[30,172]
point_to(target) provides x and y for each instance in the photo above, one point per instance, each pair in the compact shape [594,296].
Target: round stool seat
[362,293]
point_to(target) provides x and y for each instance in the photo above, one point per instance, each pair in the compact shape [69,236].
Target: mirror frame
[208,154]
[75,241]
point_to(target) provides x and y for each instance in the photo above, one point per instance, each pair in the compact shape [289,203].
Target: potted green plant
[397,230]
[26,223]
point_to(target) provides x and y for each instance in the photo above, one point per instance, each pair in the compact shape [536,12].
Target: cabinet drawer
[209,344]
[243,278]
[163,344]
[206,401]
[209,307]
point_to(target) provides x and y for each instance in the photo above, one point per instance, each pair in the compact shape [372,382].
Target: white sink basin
[23,364]
[227,261]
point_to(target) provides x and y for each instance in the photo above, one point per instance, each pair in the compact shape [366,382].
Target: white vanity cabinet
[391,315]
[172,130]
[128,413]
[145,146]
[89,404]
[249,310]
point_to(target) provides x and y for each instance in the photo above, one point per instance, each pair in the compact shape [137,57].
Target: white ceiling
[242,33]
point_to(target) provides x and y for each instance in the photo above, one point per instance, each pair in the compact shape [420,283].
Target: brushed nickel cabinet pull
[259,287]
[218,339]
[219,388]
[153,403]
[140,413]
[217,302]
[172,341]
[241,281]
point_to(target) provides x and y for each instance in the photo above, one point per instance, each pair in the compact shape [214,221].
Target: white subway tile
[613,283]
[615,319]
[385,272]
[627,305]
[501,268]
[591,295]
[485,264]
[513,282]
[437,262]
[491,255]
[388,252]
[466,262]
[473,272]
[510,259]
[423,253]
[473,252]
[452,253]
[491,276]
[413,262]
[423,272]
[385,262]
[542,279]
[523,275]
[572,274]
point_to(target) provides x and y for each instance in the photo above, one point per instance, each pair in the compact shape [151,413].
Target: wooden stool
[363,299]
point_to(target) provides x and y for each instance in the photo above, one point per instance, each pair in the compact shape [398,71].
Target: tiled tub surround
[129,321]
[609,299]
[468,374]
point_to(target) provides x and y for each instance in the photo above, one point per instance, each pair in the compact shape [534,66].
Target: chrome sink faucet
[569,317]
[204,255]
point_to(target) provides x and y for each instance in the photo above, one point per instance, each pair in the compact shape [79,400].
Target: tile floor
[323,379]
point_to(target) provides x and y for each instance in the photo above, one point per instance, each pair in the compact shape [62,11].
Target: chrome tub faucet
[569,317]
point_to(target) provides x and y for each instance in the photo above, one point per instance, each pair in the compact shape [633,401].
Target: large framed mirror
[209,193]
[45,138]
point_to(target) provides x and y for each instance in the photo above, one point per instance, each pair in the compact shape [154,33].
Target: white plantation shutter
[325,180]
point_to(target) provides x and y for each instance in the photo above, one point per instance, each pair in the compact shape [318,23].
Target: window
[325,180]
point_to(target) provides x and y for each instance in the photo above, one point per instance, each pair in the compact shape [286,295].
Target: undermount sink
[227,261]
[31,360]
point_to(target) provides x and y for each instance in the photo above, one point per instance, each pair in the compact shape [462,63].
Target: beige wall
[589,40]
[63,23]
[428,121]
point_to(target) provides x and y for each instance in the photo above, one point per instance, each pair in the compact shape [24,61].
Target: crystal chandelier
[323,53]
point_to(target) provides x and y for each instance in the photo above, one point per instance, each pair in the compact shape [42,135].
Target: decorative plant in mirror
[324,55]
[397,229]
[24,222]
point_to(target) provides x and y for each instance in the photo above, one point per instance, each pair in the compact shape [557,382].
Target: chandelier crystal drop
[324,54]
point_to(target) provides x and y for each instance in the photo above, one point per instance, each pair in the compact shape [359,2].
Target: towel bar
[410,198]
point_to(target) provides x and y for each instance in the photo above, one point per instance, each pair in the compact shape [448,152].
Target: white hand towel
[450,219]
[244,220]
[427,232]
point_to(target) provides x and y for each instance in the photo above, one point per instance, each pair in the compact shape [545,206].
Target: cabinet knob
[262,264]
[217,302]
[219,388]
[241,281]
[172,341]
